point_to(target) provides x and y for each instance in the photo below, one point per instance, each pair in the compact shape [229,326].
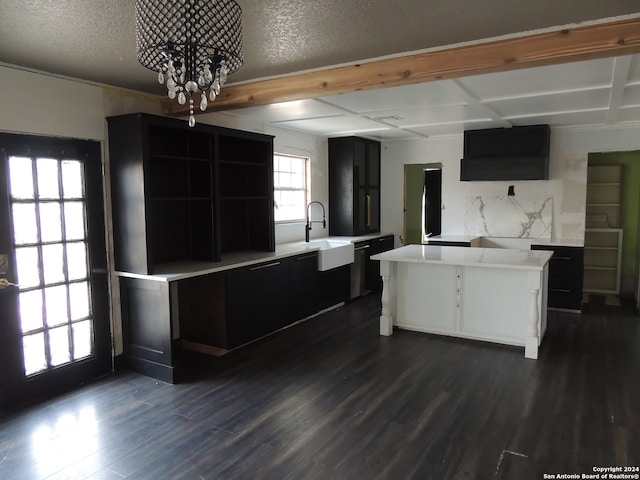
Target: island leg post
[387,299]
[532,341]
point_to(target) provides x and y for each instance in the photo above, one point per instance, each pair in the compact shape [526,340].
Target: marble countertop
[170,272]
[552,242]
[473,257]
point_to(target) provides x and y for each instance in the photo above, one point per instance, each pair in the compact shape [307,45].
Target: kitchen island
[488,294]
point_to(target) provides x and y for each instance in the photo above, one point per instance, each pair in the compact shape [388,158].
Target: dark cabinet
[304,285]
[373,282]
[517,153]
[181,193]
[257,301]
[202,310]
[334,286]
[566,269]
[354,186]
[148,331]
[444,243]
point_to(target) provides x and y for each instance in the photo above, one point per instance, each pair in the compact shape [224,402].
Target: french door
[54,308]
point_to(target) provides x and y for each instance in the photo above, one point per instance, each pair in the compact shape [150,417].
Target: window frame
[306,188]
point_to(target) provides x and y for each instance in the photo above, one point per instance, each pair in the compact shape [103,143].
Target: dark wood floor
[331,399]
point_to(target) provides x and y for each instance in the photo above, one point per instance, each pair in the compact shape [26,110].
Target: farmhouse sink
[332,253]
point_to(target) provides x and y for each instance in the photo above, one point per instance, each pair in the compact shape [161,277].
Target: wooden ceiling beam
[550,48]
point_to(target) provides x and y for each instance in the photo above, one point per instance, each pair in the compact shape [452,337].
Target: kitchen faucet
[307,227]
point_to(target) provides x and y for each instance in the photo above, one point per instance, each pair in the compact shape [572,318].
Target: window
[290,187]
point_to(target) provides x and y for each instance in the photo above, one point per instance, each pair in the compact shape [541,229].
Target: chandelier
[192,44]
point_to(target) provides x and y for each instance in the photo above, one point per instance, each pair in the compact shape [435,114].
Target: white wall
[45,105]
[570,148]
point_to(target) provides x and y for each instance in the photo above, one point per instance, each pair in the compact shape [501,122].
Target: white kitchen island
[489,294]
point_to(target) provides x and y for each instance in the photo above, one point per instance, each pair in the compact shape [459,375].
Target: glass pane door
[49,219]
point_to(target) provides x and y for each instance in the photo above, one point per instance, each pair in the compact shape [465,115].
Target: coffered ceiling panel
[570,119]
[331,126]
[535,105]
[634,71]
[295,110]
[422,95]
[408,118]
[451,128]
[631,96]
[555,78]
[628,115]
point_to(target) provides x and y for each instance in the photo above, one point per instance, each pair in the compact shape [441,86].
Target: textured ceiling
[95,39]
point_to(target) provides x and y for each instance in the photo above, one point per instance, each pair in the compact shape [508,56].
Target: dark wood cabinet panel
[202,309]
[170,185]
[257,301]
[443,243]
[566,269]
[334,286]
[517,153]
[354,186]
[304,286]
[147,327]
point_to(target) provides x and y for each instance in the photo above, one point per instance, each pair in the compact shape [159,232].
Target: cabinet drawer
[566,272]
[567,299]
[443,243]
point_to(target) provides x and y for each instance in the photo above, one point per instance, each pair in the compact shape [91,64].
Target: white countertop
[464,256]
[526,242]
[173,271]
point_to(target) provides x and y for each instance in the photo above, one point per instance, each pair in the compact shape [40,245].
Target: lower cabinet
[334,286]
[257,301]
[148,331]
[202,310]
[566,269]
[305,298]
[219,311]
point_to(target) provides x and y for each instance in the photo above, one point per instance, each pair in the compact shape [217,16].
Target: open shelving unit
[187,194]
[603,235]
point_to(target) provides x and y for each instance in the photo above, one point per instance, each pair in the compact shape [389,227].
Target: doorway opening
[612,235]
[422,202]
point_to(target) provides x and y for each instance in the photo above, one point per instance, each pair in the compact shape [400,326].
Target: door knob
[4,283]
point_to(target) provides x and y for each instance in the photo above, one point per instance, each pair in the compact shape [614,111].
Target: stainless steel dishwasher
[358,270]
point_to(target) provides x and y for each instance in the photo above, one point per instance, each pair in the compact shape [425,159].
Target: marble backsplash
[521,216]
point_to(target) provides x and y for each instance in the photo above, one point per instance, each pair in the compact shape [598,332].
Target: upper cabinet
[181,193]
[517,153]
[354,186]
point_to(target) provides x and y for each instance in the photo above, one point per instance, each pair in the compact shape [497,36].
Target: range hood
[517,153]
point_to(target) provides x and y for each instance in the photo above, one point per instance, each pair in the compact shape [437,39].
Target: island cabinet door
[257,301]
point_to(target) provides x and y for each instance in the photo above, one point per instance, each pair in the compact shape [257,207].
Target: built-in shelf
[187,194]
[603,245]
[602,260]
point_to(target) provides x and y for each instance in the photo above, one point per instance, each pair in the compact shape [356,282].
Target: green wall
[630,211]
